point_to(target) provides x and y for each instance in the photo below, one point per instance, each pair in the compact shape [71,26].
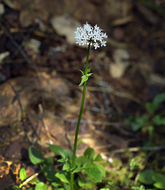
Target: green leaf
[62,176]
[89,153]
[84,78]
[102,169]
[83,184]
[139,122]
[98,158]
[159,181]
[88,70]
[35,155]
[145,177]
[49,173]
[15,187]
[158,120]
[126,181]
[160,185]
[95,172]
[151,108]
[160,98]
[81,163]
[89,74]
[41,186]
[66,187]
[66,166]
[150,132]
[132,164]
[55,184]
[22,174]
[82,72]
[105,188]
[135,126]
[49,161]
[138,188]
[66,154]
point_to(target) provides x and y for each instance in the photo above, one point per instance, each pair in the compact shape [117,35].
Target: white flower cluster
[88,34]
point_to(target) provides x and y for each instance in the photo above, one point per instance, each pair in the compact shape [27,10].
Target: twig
[28,180]
[136,149]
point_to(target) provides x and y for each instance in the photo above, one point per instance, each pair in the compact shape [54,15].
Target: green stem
[78,123]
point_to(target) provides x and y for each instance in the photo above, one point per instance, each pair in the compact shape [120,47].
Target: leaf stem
[78,122]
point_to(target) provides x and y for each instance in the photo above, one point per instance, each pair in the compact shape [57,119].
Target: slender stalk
[78,122]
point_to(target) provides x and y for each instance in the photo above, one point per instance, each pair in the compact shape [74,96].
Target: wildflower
[88,34]
[110,160]
[50,141]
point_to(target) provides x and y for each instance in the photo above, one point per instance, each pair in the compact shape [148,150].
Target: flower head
[88,34]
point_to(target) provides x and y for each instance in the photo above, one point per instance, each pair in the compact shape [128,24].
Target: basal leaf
[89,153]
[95,173]
[49,173]
[98,158]
[145,177]
[49,161]
[160,98]
[22,174]
[60,151]
[81,163]
[159,120]
[84,184]
[62,177]
[138,123]
[102,169]
[132,164]
[151,108]
[135,126]
[66,167]
[41,186]
[35,155]
[142,120]
[159,181]
[160,185]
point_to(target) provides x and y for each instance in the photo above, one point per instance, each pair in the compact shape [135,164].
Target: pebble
[121,62]
[3,55]
[2,9]
[32,46]
[65,26]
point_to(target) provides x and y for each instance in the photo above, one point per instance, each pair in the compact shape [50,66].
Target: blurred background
[39,77]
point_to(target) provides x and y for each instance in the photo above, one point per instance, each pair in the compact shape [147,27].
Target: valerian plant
[74,172]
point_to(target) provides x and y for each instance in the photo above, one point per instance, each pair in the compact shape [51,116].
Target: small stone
[41,24]
[2,9]
[64,25]
[14,4]
[121,62]
[3,56]
[32,47]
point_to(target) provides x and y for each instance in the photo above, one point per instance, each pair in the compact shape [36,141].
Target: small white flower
[110,160]
[94,35]
[50,141]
